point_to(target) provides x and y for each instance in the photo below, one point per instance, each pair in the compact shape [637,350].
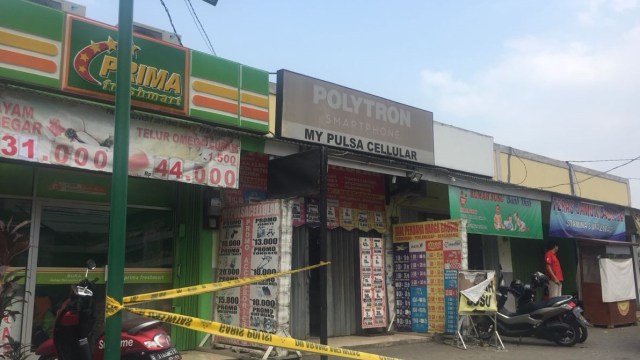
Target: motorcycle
[73,337]
[577,319]
[557,319]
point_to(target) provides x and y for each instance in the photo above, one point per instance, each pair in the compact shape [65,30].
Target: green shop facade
[193,116]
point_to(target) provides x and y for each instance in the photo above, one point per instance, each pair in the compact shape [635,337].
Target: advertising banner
[402,285]
[46,130]
[323,113]
[496,214]
[250,245]
[572,218]
[252,185]
[477,292]
[427,256]
[373,290]
[355,200]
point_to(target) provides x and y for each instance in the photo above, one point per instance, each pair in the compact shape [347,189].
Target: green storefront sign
[78,56]
[62,276]
[158,69]
[30,51]
[496,214]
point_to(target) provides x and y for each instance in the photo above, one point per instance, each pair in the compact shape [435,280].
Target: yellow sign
[477,292]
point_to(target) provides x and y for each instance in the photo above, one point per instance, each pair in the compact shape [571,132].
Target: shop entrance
[65,235]
[65,238]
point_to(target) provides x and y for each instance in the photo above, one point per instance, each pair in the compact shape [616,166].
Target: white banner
[53,131]
[616,277]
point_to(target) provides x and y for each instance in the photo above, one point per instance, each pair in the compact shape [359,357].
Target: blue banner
[419,313]
[402,283]
[571,218]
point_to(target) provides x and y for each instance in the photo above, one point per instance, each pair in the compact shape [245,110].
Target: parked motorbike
[577,319]
[73,337]
[557,319]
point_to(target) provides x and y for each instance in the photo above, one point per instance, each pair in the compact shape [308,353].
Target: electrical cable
[203,33]
[526,171]
[171,21]
[604,160]
[592,176]
[196,23]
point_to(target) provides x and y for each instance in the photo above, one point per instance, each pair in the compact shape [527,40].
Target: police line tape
[254,336]
[205,288]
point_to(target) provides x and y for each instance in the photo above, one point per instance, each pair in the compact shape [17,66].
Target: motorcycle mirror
[91,264]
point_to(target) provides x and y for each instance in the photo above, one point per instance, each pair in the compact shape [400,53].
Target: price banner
[250,245]
[372,289]
[429,254]
[46,130]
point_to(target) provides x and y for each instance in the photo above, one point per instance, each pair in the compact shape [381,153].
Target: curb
[389,343]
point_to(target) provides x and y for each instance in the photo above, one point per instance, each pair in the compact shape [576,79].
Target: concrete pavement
[619,343]
[349,342]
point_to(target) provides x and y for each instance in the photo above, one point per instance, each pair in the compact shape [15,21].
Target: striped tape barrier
[206,288]
[238,333]
[230,331]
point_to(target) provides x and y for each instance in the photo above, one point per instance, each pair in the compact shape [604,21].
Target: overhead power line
[171,21]
[628,161]
[201,30]
[605,160]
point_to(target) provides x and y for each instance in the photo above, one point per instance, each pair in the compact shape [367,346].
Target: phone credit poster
[250,245]
[427,257]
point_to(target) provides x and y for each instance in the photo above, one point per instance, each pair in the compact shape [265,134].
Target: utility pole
[119,178]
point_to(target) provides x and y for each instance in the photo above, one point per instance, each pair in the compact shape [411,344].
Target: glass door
[67,237]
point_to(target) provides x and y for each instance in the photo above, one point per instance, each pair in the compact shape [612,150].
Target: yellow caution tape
[205,288]
[254,336]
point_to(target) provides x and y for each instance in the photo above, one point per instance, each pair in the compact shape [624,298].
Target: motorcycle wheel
[567,337]
[583,333]
[485,328]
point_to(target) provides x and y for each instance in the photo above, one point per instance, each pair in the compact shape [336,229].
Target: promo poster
[435,250]
[251,244]
[477,292]
[45,130]
[355,200]
[402,285]
[373,289]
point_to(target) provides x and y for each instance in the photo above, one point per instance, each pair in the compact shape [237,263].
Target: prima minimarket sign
[158,69]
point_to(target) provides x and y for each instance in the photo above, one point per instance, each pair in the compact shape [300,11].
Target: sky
[558,78]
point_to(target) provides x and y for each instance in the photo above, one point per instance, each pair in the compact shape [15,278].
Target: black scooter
[555,319]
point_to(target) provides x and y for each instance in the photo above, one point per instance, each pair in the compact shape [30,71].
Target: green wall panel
[96,187]
[20,15]
[16,179]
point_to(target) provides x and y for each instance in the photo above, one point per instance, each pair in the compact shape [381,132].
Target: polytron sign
[158,69]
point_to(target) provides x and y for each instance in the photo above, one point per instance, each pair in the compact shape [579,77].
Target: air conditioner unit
[155,33]
[66,6]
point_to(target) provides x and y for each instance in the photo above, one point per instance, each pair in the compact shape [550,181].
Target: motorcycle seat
[535,305]
[506,312]
[134,325]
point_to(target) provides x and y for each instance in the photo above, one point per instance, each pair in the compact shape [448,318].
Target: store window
[69,236]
